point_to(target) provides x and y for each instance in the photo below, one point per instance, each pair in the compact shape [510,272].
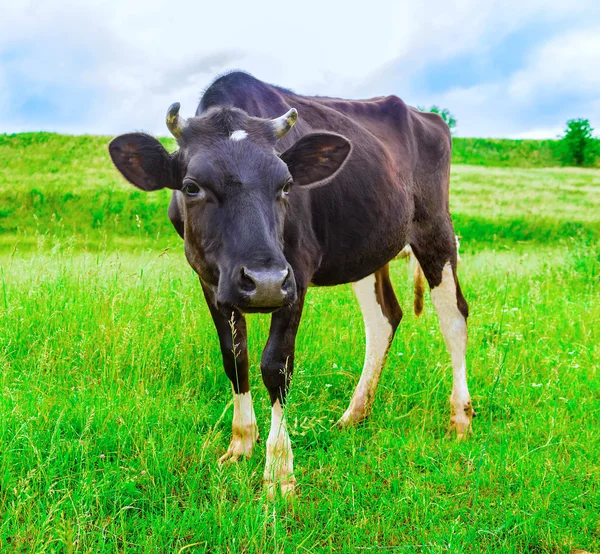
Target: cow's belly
[352,262]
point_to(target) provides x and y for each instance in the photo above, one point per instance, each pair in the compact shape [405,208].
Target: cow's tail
[419,276]
[419,282]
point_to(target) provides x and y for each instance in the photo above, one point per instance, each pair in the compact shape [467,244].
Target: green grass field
[115,407]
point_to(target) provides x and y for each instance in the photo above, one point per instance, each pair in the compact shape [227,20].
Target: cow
[270,204]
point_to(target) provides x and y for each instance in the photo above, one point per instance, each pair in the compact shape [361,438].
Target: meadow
[115,407]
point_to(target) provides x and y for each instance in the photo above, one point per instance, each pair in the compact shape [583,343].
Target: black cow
[266,210]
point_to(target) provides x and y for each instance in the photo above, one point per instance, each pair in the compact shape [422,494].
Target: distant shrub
[443,113]
[578,145]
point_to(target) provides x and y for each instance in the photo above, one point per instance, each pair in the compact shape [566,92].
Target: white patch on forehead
[240,134]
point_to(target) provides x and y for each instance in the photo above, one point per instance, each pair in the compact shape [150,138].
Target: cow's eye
[190,188]
[285,189]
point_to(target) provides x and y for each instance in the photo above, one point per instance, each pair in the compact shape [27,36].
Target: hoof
[240,447]
[351,418]
[460,421]
[287,486]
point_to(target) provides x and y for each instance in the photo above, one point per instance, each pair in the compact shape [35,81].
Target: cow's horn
[283,124]
[175,123]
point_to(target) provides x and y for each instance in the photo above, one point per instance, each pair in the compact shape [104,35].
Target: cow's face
[232,190]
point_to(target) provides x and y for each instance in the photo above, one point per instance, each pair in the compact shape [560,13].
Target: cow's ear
[144,162]
[316,158]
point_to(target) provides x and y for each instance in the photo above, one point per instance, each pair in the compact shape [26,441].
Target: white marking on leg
[279,467]
[244,429]
[454,330]
[240,134]
[457,248]
[378,331]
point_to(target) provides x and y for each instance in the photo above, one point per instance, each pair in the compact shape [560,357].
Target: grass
[511,153]
[64,187]
[506,152]
[115,406]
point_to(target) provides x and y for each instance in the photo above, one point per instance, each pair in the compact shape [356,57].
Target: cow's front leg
[234,348]
[277,366]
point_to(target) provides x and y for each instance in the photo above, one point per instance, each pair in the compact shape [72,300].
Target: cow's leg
[234,348]
[277,366]
[437,254]
[382,315]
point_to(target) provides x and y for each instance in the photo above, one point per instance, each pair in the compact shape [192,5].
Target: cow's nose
[265,287]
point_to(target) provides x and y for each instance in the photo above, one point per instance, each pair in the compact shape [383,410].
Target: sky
[515,68]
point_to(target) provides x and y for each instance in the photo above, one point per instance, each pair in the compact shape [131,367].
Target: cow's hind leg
[382,315]
[437,254]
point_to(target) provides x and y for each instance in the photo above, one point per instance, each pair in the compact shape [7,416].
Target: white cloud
[139,56]
[540,133]
[566,64]
[559,81]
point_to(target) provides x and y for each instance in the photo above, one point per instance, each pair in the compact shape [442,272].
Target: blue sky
[505,69]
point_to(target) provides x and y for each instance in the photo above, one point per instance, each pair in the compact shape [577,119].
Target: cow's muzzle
[266,289]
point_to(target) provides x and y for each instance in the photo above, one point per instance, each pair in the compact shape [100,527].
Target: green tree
[578,144]
[443,113]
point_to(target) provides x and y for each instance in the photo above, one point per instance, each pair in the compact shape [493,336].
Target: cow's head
[234,191]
